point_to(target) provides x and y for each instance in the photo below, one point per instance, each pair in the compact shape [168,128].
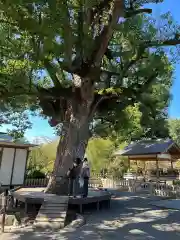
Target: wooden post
[129,164]
[144,170]
[4,205]
[151,188]
[136,169]
[171,164]
[81,208]
[97,205]
[26,207]
[157,169]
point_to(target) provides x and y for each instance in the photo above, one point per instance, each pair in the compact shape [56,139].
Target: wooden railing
[39,182]
[93,182]
[164,190]
[157,189]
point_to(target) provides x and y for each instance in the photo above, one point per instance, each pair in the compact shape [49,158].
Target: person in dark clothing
[73,175]
[85,174]
[78,161]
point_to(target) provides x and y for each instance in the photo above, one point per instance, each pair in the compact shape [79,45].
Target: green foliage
[174,129]
[122,126]
[35,174]
[118,165]
[16,119]
[176,182]
[45,44]
[20,122]
[42,158]
[153,99]
[99,152]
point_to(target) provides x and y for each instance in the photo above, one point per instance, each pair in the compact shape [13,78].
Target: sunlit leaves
[99,152]
[174,129]
[63,34]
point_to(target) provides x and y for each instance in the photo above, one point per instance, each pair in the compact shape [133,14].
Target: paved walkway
[130,217]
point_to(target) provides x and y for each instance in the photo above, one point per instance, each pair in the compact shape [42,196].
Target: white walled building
[13,161]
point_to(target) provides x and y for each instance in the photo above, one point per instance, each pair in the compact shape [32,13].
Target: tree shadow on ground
[130,217]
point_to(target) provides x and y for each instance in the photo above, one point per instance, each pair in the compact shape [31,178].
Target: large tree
[98,55]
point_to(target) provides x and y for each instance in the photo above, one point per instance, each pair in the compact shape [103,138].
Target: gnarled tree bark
[75,134]
[71,145]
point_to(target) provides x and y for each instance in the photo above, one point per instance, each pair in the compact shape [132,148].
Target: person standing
[73,175]
[85,174]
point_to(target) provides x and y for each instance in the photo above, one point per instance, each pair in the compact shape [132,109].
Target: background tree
[99,56]
[174,129]
[99,152]
[16,119]
[42,158]
[147,119]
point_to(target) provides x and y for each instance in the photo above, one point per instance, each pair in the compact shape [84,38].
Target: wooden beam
[27,156]
[171,164]
[144,169]
[152,159]
[129,164]
[157,169]
[1,154]
[143,156]
[136,167]
[12,170]
[142,159]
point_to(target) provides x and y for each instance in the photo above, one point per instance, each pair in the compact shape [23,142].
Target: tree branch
[141,88]
[110,73]
[128,65]
[170,42]
[51,93]
[98,8]
[101,42]
[157,43]
[67,32]
[133,61]
[130,13]
[125,95]
[52,72]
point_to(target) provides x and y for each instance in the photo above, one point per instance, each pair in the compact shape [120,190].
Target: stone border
[77,223]
[9,229]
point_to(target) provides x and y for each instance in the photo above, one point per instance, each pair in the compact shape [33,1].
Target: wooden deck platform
[37,196]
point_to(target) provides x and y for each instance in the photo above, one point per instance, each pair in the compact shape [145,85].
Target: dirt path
[131,217]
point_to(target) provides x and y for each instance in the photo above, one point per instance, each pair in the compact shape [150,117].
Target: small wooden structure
[37,196]
[152,150]
[13,161]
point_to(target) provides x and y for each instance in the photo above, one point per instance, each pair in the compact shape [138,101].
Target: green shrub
[35,174]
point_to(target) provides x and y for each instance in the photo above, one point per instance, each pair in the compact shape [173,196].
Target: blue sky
[42,128]
[173,7]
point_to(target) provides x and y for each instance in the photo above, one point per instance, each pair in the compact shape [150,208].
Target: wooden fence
[39,182]
[157,189]
[164,190]
[93,182]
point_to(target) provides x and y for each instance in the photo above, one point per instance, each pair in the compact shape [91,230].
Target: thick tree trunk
[74,139]
[71,145]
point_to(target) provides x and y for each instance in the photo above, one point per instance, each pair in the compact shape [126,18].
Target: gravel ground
[131,217]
